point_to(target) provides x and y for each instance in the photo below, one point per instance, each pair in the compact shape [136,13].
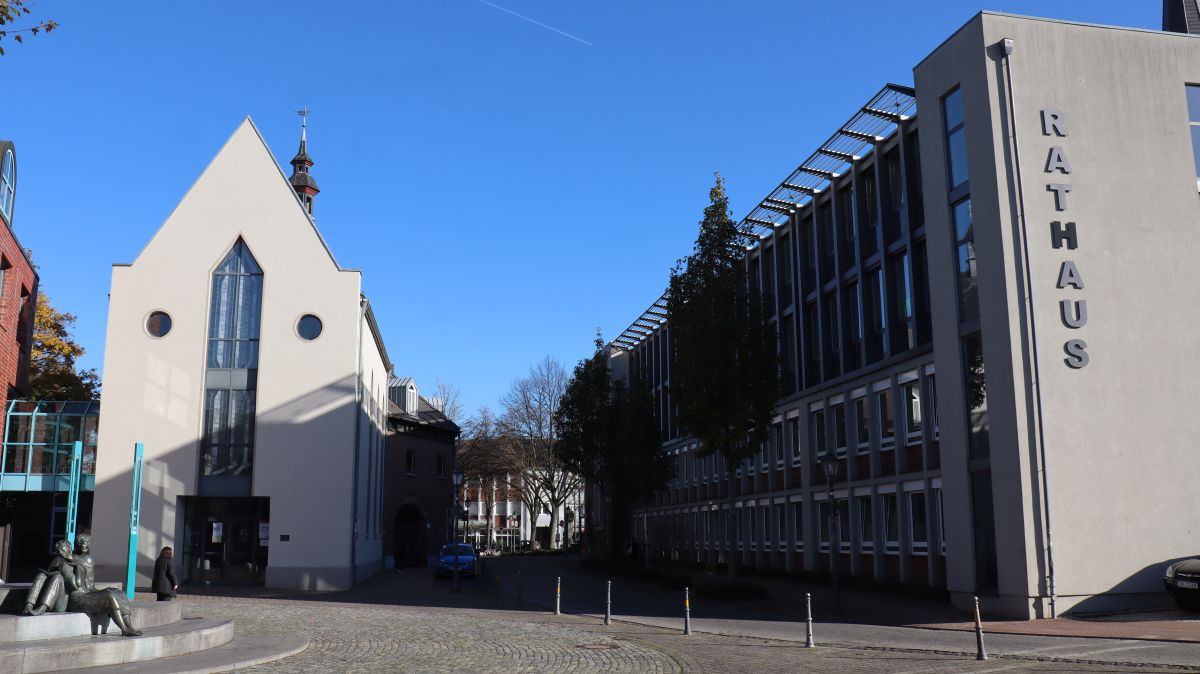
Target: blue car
[465,559]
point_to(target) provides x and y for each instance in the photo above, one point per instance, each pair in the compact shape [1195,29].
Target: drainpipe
[358,396]
[1035,383]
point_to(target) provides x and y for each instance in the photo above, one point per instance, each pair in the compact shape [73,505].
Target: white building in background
[512,522]
[249,364]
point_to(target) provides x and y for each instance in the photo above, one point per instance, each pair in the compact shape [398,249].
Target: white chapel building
[249,364]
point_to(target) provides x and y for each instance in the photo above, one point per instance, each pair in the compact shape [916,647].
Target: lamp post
[457,478]
[830,465]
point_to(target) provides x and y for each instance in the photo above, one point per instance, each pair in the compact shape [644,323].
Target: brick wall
[18,296]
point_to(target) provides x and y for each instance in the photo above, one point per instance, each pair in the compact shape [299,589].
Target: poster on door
[264,533]
[218,531]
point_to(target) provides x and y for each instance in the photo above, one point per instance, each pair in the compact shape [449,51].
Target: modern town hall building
[249,364]
[985,288]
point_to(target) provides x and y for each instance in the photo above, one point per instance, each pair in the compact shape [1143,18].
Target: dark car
[1183,581]
[460,555]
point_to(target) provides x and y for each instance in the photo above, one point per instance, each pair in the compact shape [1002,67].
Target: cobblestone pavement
[413,624]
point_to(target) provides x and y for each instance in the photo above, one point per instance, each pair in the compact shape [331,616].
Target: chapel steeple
[302,181]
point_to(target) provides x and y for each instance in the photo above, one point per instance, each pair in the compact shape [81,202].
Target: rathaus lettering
[1063,233]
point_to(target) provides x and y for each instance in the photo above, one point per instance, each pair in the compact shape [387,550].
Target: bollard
[980,651]
[687,613]
[558,596]
[519,599]
[808,640]
[608,605]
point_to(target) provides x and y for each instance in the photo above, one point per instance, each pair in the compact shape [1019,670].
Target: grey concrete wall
[1118,433]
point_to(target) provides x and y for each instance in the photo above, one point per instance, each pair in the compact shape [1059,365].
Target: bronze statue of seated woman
[79,578]
[47,593]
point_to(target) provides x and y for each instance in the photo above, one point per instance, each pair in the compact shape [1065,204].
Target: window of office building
[817,431]
[780,524]
[852,330]
[785,270]
[873,314]
[764,519]
[931,410]
[798,523]
[863,424]
[410,462]
[956,138]
[920,277]
[839,429]
[808,253]
[823,515]
[887,418]
[787,348]
[968,284]
[911,392]
[768,278]
[893,197]
[868,225]
[843,524]
[866,523]
[847,235]
[832,341]
[812,362]
[794,436]
[903,332]
[827,240]
[919,529]
[978,426]
[916,197]
[1193,101]
[891,523]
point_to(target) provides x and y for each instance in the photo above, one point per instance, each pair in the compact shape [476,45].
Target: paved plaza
[408,622]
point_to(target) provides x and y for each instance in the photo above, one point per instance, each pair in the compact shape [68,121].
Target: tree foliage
[725,374]
[608,432]
[725,377]
[12,11]
[53,374]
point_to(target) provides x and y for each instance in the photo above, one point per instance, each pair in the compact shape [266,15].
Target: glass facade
[39,438]
[227,444]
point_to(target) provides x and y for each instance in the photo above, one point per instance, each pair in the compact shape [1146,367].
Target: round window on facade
[158,324]
[309,327]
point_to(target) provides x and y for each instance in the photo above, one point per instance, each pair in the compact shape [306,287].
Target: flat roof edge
[1042,19]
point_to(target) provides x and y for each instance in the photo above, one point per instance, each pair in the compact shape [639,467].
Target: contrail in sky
[537,23]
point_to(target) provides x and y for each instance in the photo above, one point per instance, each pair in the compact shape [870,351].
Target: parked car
[1183,581]
[460,554]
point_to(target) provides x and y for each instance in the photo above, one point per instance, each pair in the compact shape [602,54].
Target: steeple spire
[302,181]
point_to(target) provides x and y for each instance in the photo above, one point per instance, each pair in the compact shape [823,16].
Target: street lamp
[457,478]
[830,465]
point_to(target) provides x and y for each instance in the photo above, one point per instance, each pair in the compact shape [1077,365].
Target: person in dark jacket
[165,584]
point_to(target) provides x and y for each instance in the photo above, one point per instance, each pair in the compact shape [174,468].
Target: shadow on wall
[1142,590]
[303,448]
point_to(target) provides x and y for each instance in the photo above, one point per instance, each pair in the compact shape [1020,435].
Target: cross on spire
[304,113]
[301,180]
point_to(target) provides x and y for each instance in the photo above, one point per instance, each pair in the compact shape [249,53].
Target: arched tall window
[233,327]
[8,184]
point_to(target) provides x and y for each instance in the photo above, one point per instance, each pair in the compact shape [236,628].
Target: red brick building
[18,289]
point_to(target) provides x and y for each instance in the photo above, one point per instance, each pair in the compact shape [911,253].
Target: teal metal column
[135,507]
[73,493]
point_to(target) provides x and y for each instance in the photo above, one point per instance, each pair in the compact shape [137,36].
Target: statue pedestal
[60,625]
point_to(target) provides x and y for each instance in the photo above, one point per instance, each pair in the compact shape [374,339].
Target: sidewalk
[854,606]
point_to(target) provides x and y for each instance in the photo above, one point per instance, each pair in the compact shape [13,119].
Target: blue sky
[505,187]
